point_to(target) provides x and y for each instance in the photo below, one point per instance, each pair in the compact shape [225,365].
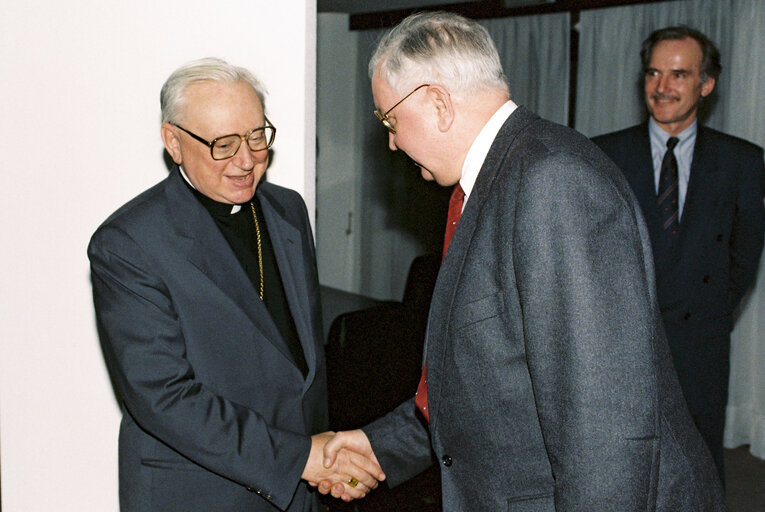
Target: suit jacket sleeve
[746,238]
[401,443]
[589,328]
[143,340]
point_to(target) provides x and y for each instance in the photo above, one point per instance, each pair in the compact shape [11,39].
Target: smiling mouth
[663,98]
[241,179]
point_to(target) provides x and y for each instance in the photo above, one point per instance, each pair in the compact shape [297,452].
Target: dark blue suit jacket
[702,278]
[217,416]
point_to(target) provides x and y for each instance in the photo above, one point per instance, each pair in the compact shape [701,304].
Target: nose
[243,157]
[392,141]
[662,84]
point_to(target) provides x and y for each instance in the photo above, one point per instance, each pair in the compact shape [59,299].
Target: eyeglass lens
[258,140]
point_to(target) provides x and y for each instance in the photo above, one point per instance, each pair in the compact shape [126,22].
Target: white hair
[210,69]
[442,48]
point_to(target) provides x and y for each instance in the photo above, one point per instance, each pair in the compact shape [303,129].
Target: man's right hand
[356,442]
[332,471]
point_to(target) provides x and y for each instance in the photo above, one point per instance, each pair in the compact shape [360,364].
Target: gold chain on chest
[260,251]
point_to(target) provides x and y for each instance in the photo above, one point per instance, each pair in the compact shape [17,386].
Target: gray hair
[442,48]
[210,69]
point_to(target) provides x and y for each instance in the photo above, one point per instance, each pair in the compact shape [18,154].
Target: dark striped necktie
[668,191]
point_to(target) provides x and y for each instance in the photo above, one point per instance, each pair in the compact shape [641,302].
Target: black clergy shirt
[239,230]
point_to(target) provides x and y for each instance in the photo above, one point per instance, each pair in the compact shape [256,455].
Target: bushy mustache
[660,96]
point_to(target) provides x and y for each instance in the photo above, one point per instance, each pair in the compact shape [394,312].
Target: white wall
[79,136]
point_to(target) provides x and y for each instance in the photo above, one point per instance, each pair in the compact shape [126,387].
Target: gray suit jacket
[550,383]
[217,416]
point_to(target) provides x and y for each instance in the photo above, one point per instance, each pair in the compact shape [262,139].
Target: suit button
[446,460]
[687,315]
[260,493]
[706,279]
[719,238]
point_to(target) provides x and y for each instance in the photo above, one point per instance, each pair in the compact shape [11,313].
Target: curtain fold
[398,209]
[745,423]
[535,56]
[609,97]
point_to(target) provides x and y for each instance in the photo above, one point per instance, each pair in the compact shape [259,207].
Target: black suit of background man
[704,269]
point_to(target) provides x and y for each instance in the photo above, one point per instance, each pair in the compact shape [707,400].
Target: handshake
[342,464]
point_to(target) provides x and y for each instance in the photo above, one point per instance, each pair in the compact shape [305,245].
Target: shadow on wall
[416,206]
[397,200]
[380,348]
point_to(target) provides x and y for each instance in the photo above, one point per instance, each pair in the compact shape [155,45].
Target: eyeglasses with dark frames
[384,117]
[226,146]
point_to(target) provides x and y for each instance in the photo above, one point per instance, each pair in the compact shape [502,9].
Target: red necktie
[453,217]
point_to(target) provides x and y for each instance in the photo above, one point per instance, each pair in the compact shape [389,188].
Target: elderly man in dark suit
[547,382]
[701,193]
[207,304]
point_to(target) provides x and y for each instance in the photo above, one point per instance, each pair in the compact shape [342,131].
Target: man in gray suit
[207,303]
[547,384]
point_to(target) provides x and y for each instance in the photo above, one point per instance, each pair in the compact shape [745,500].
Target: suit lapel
[639,171]
[210,253]
[289,252]
[444,294]
[641,175]
[702,186]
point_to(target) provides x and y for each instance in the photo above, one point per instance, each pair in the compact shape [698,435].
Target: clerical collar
[211,205]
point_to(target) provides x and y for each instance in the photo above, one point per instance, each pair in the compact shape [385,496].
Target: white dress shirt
[480,148]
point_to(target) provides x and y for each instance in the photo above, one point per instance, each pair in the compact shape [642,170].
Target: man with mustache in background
[701,193]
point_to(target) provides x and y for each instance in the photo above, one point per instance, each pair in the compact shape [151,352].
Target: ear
[172,143]
[442,100]
[707,87]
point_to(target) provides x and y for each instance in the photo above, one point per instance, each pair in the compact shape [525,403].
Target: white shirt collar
[661,136]
[480,147]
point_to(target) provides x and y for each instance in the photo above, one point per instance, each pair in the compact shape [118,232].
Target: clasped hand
[336,460]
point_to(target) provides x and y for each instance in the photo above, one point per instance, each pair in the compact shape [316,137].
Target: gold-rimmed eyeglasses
[384,117]
[226,146]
